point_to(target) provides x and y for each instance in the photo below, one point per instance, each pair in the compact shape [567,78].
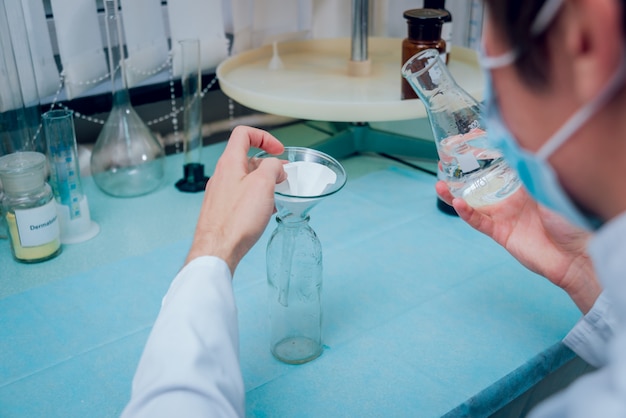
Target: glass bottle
[446,29]
[127,159]
[294,274]
[424,32]
[294,254]
[30,208]
[471,166]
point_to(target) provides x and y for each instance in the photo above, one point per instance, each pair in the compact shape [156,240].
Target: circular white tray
[314,83]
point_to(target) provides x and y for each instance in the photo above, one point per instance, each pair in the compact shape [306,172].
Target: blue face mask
[534,170]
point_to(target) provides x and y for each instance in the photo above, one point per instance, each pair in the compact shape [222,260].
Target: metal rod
[360,17]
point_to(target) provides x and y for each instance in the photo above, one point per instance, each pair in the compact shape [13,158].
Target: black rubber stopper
[194,179]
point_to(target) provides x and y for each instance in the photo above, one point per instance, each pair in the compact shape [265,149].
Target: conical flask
[127,159]
[471,166]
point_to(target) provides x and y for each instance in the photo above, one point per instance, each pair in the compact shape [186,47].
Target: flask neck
[291,221]
[428,76]
[121,97]
[115,45]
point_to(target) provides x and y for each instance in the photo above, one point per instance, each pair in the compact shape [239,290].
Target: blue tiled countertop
[422,315]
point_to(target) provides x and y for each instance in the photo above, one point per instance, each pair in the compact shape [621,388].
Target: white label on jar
[38,226]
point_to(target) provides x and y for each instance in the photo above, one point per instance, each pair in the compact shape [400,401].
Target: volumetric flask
[472,167]
[127,159]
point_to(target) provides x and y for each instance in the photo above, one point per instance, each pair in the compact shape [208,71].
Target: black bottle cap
[425,24]
[438,4]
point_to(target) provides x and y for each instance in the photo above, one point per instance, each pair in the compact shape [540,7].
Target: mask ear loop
[499,61]
[582,115]
[546,15]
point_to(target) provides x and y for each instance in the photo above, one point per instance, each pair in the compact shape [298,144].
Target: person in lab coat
[190,365]
[556,106]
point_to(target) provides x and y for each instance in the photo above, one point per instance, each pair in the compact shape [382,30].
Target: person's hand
[239,198]
[540,239]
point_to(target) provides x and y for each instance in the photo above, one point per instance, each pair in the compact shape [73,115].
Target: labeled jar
[29,207]
[424,32]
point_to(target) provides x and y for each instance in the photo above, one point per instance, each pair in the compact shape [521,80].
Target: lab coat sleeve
[598,394]
[190,364]
[591,335]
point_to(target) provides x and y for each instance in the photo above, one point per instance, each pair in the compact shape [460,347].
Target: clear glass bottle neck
[115,51]
[30,198]
[292,221]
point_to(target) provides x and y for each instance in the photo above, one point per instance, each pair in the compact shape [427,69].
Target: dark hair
[513,19]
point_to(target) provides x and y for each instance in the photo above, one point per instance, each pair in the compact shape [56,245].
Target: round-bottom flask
[294,274]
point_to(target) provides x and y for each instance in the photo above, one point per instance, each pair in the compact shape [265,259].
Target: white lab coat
[599,338]
[190,365]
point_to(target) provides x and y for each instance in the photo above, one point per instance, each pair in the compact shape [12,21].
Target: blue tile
[49,324]
[92,384]
[387,386]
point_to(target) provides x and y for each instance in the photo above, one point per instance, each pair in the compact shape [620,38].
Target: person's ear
[593,41]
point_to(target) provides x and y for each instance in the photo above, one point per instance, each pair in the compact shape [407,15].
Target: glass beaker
[127,159]
[472,167]
[72,205]
[294,255]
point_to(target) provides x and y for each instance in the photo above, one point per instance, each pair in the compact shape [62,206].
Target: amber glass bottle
[424,32]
